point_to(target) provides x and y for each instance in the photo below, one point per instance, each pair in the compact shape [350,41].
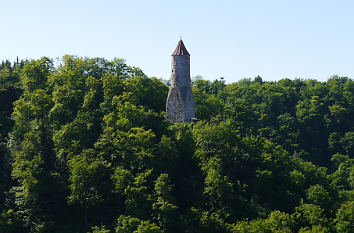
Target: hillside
[84,147]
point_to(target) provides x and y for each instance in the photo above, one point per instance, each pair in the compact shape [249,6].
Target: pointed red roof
[180,49]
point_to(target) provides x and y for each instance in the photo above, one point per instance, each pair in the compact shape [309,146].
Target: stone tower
[180,102]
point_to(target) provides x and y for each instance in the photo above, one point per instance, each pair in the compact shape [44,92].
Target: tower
[180,102]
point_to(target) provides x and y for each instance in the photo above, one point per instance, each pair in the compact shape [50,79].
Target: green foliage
[127,224]
[9,222]
[89,179]
[314,229]
[276,222]
[147,227]
[84,147]
[310,215]
[134,225]
[317,195]
[343,177]
[164,201]
[344,221]
[101,229]
[34,74]
[348,143]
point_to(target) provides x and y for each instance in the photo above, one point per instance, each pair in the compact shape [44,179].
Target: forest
[84,147]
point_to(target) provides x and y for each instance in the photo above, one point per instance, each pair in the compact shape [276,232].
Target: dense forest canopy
[84,147]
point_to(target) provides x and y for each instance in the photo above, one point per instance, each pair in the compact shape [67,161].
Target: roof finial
[180,36]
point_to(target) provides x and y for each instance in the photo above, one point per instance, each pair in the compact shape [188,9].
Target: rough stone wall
[174,105]
[180,102]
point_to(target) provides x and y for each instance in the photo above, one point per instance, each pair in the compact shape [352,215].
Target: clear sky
[232,39]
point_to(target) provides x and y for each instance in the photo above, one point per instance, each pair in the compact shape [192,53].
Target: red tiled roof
[180,49]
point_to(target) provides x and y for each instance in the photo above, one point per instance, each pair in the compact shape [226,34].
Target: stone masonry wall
[180,102]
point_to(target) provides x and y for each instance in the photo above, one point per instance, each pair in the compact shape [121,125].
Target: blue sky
[232,39]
